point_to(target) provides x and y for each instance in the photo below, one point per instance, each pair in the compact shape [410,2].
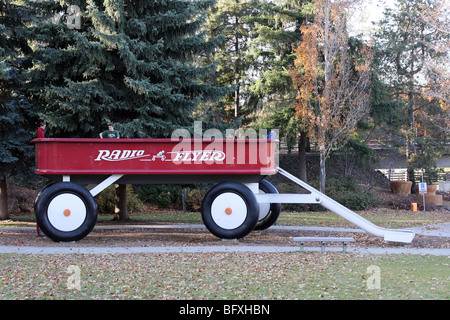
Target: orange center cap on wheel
[67,212]
[228,211]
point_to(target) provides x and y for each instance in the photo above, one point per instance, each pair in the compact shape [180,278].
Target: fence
[374,144]
[401,174]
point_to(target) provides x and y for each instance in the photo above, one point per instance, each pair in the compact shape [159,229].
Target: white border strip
[208,249]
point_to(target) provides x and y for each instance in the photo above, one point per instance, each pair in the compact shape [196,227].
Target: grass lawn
[296,275]
[380,216]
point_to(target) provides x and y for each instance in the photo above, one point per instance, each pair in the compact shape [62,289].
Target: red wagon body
[67,211]
[155,160]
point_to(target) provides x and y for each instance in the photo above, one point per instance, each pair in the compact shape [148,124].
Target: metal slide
[397,235]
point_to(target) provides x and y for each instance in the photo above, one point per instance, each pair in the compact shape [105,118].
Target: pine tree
[408,44]
[14,136]
[272,95]
[230,20]
[254,56]
[403,40]
[127,62]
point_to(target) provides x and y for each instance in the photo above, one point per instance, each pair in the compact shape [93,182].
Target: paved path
[203,249]
[437,230]
[440,230]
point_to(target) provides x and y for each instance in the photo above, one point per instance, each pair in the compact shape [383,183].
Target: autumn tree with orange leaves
[332,79]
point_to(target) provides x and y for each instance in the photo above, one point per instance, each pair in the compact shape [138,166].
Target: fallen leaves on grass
[222,276]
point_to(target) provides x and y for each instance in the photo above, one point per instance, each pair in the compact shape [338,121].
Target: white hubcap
[228,210]
[66,212]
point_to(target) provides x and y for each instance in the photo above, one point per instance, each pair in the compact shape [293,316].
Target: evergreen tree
[229,19]
[276,31]
[406,45]
[403,41]
[254,56]
[127,62]
[271,97]
[15,149]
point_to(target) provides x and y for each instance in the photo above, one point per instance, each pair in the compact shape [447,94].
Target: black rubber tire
[275,208]
[40,192]
[252,210]
[50,192]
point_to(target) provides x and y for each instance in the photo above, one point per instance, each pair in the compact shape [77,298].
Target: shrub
[162,196]
[294,188]
[347,192]
[361,200]
[107,200]
[20,199]
[194,199]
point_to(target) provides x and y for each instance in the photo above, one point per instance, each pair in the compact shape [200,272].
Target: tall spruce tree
[230,19]
[255,58]
[14,134]
[122,61]
[406,45]
[256,51]
[271,96]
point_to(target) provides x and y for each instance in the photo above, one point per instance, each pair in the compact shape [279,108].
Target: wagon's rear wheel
[230,210]
[66,211]
[268,212]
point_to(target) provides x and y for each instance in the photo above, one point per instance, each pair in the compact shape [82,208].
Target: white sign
[422,188]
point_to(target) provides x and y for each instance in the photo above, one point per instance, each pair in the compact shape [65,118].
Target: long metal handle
[398,235]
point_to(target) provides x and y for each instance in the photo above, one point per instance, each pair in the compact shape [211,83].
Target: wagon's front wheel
[66,211]
[230,210]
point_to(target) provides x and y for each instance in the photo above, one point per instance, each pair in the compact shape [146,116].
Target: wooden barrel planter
[401,187]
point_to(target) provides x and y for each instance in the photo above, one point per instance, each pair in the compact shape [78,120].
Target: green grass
[163,216]
[222,276]
[381,217]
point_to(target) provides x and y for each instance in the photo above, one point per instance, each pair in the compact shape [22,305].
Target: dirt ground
[107,234]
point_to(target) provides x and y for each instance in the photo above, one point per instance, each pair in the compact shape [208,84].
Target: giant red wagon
[66,210]
[241,201]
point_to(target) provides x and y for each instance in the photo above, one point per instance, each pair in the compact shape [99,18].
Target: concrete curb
[209,249]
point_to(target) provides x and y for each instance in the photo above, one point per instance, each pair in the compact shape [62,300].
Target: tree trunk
[237,70]
[302,139]
[236,100]
[4,215]
[121,211]
[323,175]
[215,106]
